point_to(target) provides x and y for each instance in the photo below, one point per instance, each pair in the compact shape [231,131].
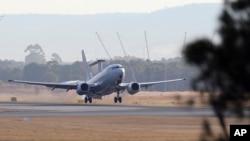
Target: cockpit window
[116,67]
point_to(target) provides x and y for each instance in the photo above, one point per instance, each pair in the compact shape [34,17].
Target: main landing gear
[88,99]
[118,98]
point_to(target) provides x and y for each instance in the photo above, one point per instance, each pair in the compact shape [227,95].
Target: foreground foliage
[225,67]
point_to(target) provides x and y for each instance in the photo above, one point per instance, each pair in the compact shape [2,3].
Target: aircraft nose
[121,70]
[122,73]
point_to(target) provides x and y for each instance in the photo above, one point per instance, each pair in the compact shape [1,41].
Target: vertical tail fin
[85,65]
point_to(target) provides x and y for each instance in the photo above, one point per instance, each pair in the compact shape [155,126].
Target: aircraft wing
[146,84]
[65,85]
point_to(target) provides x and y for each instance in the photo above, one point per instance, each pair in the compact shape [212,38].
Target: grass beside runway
[106,128]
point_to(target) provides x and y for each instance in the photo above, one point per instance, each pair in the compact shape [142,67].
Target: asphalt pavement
[14,109]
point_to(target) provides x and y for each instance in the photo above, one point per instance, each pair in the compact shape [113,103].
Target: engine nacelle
[133,88]
[82,88]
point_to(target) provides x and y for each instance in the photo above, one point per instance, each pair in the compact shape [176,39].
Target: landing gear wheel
[88,99]
[115,99]
[120,99]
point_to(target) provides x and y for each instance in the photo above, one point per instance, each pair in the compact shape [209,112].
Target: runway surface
[13,109]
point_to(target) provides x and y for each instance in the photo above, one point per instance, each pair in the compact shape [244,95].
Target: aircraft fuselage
[107,80]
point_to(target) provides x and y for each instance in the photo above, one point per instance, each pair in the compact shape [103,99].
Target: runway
[13,109]
[43,109]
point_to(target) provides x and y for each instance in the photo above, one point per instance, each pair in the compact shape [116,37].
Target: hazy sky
[16,35]
[89,6]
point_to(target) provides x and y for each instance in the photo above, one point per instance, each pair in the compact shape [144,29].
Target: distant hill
[68,34]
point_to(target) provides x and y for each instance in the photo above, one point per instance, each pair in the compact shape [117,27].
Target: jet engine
[133,88]
[82,88]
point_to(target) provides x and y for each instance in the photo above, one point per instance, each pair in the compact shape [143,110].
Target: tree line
[137,69]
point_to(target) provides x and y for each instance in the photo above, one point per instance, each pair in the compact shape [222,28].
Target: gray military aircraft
[107,81]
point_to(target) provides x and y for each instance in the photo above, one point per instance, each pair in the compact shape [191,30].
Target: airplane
[105,82]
